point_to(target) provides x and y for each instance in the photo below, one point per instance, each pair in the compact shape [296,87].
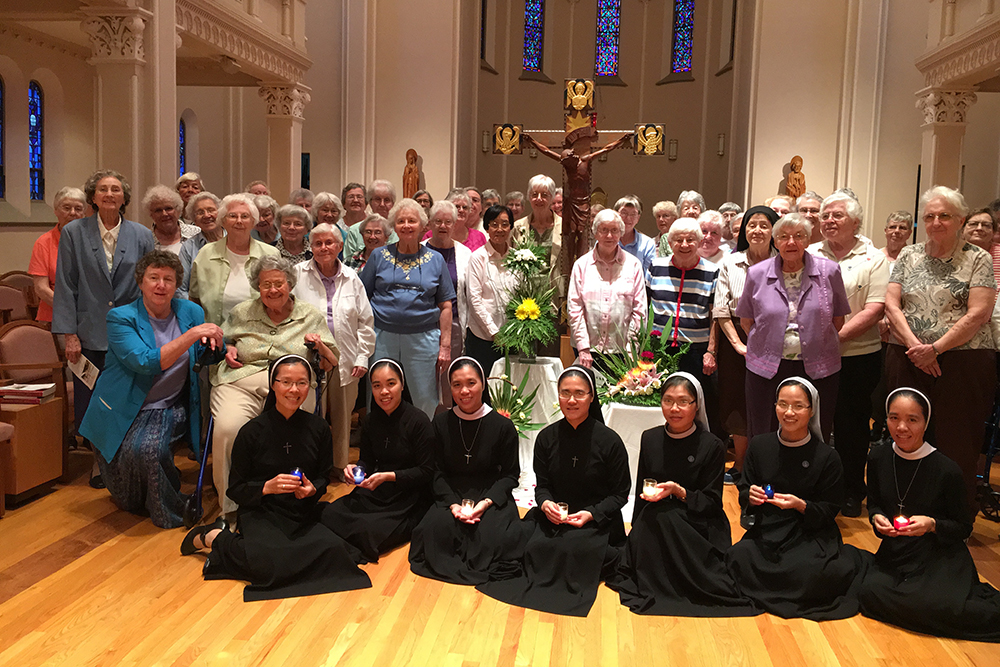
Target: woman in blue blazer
[148,391]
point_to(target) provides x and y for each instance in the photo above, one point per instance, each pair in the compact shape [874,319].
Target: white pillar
[285,105]
[944,131]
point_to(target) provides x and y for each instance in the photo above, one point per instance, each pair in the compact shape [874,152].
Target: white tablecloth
[629,422]
[543,372]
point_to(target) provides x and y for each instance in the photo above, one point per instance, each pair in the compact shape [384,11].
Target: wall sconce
[486,141]
[722,145]
[672,150]
[603,157]
[532,153]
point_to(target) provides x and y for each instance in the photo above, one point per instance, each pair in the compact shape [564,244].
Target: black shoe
[851,508]
[187,546]
[747,521]
[97,482]
[731,477]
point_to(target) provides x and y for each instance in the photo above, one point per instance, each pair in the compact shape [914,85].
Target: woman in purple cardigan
[792,309]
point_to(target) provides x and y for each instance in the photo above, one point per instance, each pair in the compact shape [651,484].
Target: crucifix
[468,458]
[576,156]
[574,461]
[288,448]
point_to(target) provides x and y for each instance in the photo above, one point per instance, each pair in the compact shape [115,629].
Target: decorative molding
[945,106]
[43,40]
[285,101]
[241,38]
[115,36]
[958,60]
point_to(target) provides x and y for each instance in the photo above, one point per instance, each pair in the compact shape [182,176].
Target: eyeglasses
[578,395]
[798,238]
[238,216]
[499,225]
[833,215]
[372,232]
[979,223]
[274,285]
[943,217]
[286,384]
[681,403]
[784,406]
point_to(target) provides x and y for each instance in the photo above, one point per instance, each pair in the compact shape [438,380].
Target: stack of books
[25,394]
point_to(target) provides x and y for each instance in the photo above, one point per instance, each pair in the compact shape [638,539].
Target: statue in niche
[411,174]
[795,184]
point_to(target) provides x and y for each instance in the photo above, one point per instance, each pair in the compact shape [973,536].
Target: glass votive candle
[297,472]
[359,474]
[649,486]
[900,522]
[468,506]
[563,511]
[768,491]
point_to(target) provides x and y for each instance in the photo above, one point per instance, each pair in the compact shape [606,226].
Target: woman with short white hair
[328,209]
[69,204]
[203,209]
[690,204]
[294,223]
[544,226]
[712,227]
[165,207]
[265,230]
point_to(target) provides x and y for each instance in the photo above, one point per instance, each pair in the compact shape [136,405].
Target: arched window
[609,14]
[36,138]
[3,146]
[182,147]
[680,54]
[534,34]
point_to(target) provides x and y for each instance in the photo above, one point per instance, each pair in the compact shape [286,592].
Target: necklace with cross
[575,459]
[288,448]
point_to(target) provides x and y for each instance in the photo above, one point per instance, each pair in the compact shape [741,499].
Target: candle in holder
[563,511]
[768,491]
[297,472]
[900,522]
[468,506]
[649,486]
[359,474]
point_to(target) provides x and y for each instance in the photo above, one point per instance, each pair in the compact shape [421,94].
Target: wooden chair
[13,305]
[25,282]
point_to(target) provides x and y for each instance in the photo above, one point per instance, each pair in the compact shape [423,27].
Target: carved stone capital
[944,106]
[285,100]
[116,36]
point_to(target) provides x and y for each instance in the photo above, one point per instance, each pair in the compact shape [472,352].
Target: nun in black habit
[473,529]
[674,559]
[792,562]
[923,578]
[281,464]
[393,474]
[582,463]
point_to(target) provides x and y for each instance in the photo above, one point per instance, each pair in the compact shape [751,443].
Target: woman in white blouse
[489,284]
[337,292]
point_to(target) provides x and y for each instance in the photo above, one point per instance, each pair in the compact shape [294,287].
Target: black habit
[928,583]
[791,564]
[380,520]
[586,467]
[476,459]
[674,559]
[281,548]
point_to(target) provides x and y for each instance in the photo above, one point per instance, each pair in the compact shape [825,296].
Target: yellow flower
[528,309]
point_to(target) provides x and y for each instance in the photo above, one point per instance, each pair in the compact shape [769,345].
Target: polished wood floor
[82,583]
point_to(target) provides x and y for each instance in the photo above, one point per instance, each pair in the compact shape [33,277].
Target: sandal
[188,547]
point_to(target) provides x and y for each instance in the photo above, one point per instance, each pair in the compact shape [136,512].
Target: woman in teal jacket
[148,391]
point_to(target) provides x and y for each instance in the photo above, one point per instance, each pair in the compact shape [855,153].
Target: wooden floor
[82,583]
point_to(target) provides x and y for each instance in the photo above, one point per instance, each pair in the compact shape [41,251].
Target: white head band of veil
[451,367]
[280,362]
[702,415]
[395,364]
[927,401]
[483,408]
[814,425]
[579,370]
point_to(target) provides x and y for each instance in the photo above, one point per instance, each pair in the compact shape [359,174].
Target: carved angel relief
[507,139]
[648,139]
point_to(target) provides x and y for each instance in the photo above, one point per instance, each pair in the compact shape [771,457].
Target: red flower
[648,356]
[504,413]
[655,333]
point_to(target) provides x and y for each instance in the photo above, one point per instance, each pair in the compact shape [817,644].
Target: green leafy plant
[531,317]
[511,401]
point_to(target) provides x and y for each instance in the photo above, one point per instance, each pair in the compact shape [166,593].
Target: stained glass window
[534,33]
[35,141]
[182,147]
[609,13]
[680,59]
[3,180]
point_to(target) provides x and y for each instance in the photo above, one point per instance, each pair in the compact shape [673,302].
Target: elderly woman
[203,208]
[690,204]
[69,204]
[294,223]
[375,231]
[632,241]
[607,293]
[792,309]
[898,230]
[188,185]
[258,331]
[302,197]
[683,291]
[557,202]
[488,284]
[753,245]
[257,188]
[712,228]
[328,209]
[808,205]
[729,211]
[443,220]
[979,230]
[424,198]
[411,290]
[782,205]
[164,207]
[381,195]
[220,273]
[544,227]
[865,273]
[515,202]
[148,392]
[939,300]
[337,292]
[463,225]
[265,230]
[490,198]
[664,212]
[280,546]
[97,258]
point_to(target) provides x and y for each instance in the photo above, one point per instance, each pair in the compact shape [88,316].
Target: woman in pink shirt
[70,204]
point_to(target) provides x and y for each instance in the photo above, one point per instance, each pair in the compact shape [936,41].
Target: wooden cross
[574,461]
[576,156]
[288,448]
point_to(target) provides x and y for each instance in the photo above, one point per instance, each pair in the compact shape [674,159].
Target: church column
[944,131]
[285,104]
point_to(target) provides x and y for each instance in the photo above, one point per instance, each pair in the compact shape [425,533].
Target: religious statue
[579,95]
[575,160]
[507,139]
[411,174]
[649,139]
[795,184]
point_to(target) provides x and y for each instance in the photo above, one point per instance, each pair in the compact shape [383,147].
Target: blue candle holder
[768,491]
[359,474]
[297,472]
